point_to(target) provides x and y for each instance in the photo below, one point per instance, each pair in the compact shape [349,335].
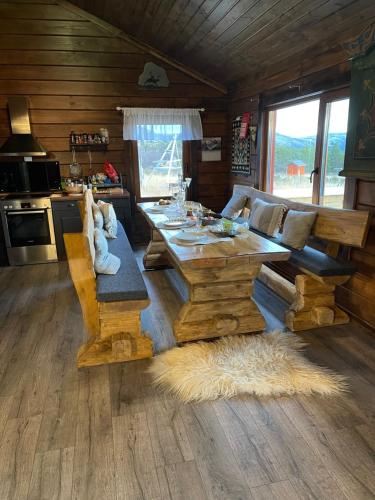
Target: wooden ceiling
[241,42]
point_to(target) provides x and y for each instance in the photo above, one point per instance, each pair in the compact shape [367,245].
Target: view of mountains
[303,142]
[290,149]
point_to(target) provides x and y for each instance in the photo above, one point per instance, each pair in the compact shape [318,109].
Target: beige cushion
[105,262]
[266,217]
[297,228]
[88,223]
[234,206]
[110,219]
[98,216]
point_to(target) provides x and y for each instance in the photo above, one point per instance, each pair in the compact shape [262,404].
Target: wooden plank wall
[358,295]
[76,72]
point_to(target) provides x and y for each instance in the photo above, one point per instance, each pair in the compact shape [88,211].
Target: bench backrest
[80,251]
[346,227]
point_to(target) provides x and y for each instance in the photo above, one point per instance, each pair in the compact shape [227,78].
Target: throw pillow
[234,206]
[97,216]
[110,219]
[297,228]
[266,217]
[105,262]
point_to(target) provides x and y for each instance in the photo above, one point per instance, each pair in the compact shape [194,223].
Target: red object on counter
[111,172]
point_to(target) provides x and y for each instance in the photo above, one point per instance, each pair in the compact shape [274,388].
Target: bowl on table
[73,188]
[209,220]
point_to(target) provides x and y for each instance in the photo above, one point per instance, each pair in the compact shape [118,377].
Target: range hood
[21,142]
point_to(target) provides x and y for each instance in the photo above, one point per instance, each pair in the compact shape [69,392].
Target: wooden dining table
[220,278]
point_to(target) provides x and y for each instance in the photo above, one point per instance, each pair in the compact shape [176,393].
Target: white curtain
[162,124]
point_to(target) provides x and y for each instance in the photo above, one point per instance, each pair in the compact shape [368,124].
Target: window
[160,138]
[332,185]
[291,150]
[160,165]
[306,149]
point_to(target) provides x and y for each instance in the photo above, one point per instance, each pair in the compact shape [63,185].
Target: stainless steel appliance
[21,141]
[29,176]
[28,229]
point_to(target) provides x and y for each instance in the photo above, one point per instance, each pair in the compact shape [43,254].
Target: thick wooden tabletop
[256,248]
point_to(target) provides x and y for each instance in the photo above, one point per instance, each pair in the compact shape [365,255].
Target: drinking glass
[197,212]
[174,189]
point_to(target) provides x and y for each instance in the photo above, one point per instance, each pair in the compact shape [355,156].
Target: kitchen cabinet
[3,250]
[360,139]
[67,219]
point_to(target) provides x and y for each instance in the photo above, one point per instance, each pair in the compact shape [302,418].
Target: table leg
[220,302]
[156,255]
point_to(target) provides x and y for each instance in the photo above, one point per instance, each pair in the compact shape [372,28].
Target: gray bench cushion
[315,261]
[128,283]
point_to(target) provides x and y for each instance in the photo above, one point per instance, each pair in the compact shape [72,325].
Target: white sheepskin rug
[262,365]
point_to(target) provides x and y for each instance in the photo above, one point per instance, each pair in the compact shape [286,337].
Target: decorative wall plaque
[153,77]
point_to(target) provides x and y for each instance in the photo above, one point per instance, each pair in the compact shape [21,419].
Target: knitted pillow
[266,217]
[234,206]
[297,228]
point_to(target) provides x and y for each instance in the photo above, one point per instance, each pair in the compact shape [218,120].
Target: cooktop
[25,196]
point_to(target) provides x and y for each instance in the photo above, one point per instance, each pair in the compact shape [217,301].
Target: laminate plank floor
[105,433]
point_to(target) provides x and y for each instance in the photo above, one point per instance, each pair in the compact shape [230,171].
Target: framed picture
[211,149]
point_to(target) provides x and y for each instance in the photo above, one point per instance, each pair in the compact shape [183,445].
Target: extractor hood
[21,142]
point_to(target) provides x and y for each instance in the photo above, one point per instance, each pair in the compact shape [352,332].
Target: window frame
[324,99]
[186,170]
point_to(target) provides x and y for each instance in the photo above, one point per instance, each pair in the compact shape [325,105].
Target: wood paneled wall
[75,72]
[358,295]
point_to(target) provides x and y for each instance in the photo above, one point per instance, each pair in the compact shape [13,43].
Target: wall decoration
[365,130]
[253,130]
[211,149]
[153,77]
[245,120]
[240,150]
[360,139]
[359,45]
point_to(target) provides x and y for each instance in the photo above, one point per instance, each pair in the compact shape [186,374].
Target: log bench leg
[314,303]
[156,256]
[120,338]
[219,304]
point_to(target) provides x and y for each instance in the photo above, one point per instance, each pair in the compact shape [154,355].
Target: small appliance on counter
[28,177]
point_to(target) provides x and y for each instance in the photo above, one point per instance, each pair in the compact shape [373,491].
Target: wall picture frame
[211,149]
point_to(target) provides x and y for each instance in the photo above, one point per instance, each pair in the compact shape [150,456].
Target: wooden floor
[105,433]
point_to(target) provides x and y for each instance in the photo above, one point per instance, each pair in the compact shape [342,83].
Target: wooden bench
[111,304]
[319,268]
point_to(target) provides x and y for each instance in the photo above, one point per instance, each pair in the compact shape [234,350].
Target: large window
[160,166]
[306,149]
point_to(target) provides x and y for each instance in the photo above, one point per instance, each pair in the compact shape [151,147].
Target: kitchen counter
[119,193]
[116,193]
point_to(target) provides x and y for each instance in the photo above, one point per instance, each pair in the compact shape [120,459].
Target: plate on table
[156,210]
[190,236]
[176,224]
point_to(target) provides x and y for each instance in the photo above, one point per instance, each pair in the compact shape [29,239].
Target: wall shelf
[88,147]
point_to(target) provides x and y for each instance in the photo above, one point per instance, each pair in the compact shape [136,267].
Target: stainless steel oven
[28,230]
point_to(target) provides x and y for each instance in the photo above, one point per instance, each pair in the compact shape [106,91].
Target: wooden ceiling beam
[116,32]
